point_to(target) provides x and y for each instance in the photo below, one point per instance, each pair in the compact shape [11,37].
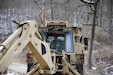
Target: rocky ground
[102,63]
[17,69]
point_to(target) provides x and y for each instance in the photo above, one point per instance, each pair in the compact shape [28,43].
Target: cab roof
[63,23]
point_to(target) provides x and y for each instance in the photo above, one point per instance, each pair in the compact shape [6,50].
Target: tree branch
[87,2]
[59,3]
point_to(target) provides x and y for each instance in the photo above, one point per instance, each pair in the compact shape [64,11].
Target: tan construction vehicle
[57,47]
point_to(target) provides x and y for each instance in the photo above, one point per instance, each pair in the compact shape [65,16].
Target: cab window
[56,42]
[69,42]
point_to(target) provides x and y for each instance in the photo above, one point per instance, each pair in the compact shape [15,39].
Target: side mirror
[86,43]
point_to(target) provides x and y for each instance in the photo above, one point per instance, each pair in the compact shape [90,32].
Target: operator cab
[59,36]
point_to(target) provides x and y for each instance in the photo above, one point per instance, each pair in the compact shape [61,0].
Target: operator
[56,44]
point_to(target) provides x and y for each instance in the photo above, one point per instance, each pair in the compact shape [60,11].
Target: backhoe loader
[57,47]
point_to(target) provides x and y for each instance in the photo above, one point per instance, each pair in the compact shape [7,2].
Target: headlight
[42,29]
[67,29]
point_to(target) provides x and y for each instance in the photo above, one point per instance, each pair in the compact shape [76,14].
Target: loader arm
[26,35]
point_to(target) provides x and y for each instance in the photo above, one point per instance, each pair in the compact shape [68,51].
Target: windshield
[56,42]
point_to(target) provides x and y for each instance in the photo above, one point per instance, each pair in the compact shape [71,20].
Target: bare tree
[93,29]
